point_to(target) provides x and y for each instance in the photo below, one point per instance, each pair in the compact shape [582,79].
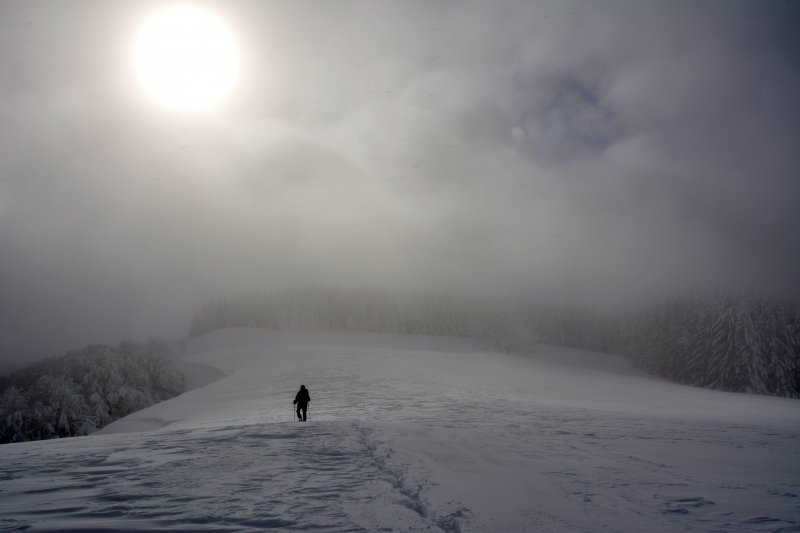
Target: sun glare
[186,58]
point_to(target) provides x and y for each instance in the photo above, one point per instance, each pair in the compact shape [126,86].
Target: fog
[605,153]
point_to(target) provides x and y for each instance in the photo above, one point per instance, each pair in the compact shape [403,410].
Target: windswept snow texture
[417,434]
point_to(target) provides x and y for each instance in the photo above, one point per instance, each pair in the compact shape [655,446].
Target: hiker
[301,401]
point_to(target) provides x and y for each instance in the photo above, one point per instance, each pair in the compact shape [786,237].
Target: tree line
[366,309]
[85,390]
[720,340]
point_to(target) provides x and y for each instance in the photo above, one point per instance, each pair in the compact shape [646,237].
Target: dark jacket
[302,397]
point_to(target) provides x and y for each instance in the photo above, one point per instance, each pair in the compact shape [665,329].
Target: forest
[82,391]
[720,340]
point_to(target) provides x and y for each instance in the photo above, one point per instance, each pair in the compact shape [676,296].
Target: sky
[604,152]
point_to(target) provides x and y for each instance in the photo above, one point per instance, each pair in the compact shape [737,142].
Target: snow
[413,433]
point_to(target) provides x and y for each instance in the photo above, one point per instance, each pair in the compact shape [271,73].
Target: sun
[186,58]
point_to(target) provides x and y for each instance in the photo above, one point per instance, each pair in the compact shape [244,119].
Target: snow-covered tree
[84,390]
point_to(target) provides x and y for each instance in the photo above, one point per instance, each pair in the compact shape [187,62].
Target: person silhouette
[301,400]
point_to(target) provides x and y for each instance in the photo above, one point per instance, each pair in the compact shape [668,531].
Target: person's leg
[305,407]
[299,417]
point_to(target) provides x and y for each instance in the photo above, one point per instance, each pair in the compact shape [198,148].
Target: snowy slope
[417,434]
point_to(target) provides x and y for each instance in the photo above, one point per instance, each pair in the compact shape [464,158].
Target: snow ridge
[406,438]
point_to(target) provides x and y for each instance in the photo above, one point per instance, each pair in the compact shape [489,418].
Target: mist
[605,153]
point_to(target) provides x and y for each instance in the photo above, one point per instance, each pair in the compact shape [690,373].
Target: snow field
[417,434]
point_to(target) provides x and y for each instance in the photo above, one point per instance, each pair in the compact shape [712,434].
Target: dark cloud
[601,152]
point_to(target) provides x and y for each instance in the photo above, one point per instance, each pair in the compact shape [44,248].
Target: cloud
[601,152]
